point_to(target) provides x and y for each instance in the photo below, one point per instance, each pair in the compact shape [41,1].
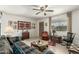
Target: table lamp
[8,30]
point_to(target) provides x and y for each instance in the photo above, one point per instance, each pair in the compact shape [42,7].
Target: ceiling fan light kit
[45,14]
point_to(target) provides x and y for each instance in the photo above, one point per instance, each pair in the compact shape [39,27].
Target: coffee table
[40,46]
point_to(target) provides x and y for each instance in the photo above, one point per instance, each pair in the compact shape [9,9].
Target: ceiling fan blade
[37,9]
[45,14]
[46,6]
[1,13]
[49,10]
[35,5]
[38,13]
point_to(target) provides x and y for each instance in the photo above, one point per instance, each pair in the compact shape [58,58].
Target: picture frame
[33,25]
[22,25]
[13,24]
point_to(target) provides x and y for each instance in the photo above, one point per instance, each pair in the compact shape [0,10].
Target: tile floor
[58,49]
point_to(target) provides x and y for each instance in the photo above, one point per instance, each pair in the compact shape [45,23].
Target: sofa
[14,45]
[5,47]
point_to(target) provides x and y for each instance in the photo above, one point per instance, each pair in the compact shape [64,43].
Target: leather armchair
[45,35]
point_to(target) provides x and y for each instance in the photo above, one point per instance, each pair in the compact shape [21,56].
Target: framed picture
[33,25]
[10,23]
[28,25]
[13,24]
[22,25]
[45,24]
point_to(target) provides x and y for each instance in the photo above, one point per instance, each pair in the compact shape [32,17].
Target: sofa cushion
[12,40]
[47,51]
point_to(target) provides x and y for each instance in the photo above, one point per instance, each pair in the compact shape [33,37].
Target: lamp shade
[8,29]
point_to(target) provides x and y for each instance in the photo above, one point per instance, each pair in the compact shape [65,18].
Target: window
[59,25]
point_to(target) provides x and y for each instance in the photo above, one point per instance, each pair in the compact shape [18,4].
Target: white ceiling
[27,10]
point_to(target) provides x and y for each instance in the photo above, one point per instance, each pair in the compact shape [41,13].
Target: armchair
[69,38]
[45,35]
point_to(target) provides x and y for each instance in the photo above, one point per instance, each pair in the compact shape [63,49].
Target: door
[41,28]
[0,29]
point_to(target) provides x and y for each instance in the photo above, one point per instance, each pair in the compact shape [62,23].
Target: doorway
[0,29]
[41,28]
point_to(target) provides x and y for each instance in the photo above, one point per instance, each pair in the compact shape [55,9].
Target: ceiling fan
[43,9]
